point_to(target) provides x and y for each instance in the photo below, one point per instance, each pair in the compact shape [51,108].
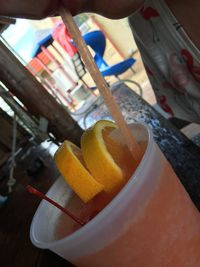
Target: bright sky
[16,31]
[23,37]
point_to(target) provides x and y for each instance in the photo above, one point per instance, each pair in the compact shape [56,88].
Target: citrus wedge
[69,161]
[105,158]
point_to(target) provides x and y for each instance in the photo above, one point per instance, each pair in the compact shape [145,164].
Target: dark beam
[35,97]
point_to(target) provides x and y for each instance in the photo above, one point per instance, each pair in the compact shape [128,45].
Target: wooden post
[35,97]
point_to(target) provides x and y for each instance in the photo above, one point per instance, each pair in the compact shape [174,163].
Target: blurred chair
[97,41]
[43,46]
[60,78]
[75,68]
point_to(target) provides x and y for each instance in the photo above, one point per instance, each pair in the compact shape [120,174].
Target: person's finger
[28,8]
[74,6]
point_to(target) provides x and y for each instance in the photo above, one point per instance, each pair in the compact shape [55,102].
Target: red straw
[39,194]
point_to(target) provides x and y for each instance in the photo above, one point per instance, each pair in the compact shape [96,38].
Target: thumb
[74,6]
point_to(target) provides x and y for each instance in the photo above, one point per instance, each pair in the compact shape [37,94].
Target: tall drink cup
[152,222]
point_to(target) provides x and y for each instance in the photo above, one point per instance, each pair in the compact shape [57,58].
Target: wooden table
[16,215]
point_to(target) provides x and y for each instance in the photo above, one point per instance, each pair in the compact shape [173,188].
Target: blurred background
[45,95]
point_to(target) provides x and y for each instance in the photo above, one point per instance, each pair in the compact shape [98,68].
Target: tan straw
[100,83]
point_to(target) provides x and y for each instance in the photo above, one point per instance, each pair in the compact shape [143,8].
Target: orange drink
[150,222]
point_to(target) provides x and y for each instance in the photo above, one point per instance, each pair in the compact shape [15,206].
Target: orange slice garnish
[69,161]
[106,158]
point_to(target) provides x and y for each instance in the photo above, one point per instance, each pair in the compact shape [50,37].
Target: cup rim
[102,214]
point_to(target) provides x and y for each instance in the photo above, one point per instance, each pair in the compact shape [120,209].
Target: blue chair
[96,40]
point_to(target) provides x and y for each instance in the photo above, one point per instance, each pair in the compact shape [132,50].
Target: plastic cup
[151,222]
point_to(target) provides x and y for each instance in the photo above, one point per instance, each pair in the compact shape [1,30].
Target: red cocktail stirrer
[39,194]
